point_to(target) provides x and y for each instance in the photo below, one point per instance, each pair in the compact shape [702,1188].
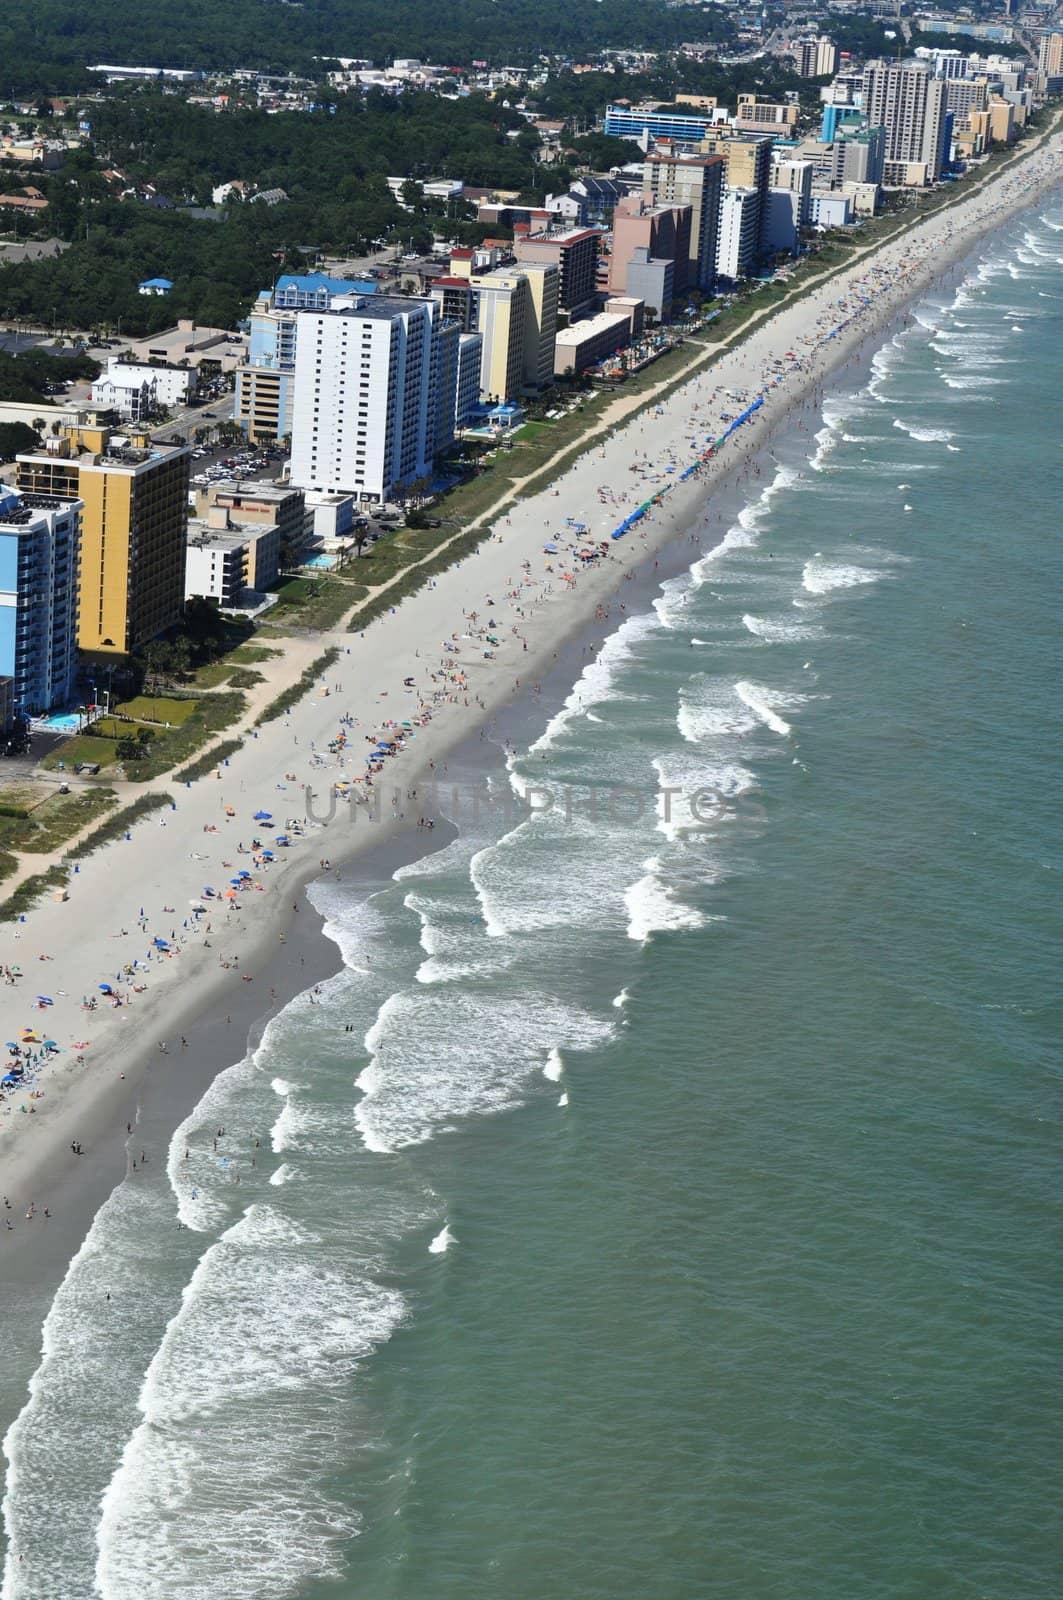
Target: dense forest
[333,169]
[185,150]
[45,45]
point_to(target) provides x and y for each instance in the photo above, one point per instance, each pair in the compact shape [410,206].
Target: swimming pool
[320,561]
[60,722]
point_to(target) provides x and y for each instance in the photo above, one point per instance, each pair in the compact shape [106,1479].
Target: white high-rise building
[372,403]
[739,235]
[816,58]
[907,100]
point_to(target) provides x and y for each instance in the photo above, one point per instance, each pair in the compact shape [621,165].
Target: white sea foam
[441,1057]
[777,630]
[710,709]
[442,1242]
[244,1433]
[925,435]
[763,703]
[674,601]
[554,1066]
[284,1174]
[653,908]
[598,680]
[66,1441]
[823,577]
[454,946]
[290,1128]
[620,1000]
[971,382]
[563,1100]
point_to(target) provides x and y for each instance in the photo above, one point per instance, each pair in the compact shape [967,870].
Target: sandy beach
[194,926]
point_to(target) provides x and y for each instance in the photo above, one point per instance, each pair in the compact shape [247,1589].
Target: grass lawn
[531,430]
[212,715]
[248,655]
[157,708]
[315,602]
[214,674]
[82,747]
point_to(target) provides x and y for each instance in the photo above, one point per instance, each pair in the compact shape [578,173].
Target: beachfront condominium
[574,252]
[697,182]
[369,416]
[647,239]
[907,100]
[513,311]
[747,165]
[1050,62]
[264,382]
[131,568]
[38,599]
[742,219]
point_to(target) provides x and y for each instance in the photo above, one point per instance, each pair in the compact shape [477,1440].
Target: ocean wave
[243,1433]
[775,630]
[441,1058]
[599,678]
[696,791]
[822,577]
[924,435]
[765,705]
[104,1322]
[653,907]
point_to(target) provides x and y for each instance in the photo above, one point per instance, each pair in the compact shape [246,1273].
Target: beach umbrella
[50,1044]
[245,874]
[105,988]
[230,894]
[263,816]
[45,1000]
[161,944]
[235,882]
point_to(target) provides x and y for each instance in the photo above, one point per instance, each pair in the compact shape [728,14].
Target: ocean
[664,1197]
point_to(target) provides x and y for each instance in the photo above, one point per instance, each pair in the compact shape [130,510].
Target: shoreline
[121,1075]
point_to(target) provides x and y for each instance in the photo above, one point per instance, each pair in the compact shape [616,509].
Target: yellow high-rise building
[131,567]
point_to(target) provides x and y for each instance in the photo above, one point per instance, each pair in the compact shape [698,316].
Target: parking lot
[212,464]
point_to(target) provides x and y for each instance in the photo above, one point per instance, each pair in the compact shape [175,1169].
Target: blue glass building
[39,598]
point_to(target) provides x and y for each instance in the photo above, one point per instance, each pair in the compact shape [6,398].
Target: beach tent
[263,816]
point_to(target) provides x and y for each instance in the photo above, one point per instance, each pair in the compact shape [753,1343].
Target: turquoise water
[680,1216]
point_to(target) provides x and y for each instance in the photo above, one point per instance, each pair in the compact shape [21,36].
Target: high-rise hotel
[374,395]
